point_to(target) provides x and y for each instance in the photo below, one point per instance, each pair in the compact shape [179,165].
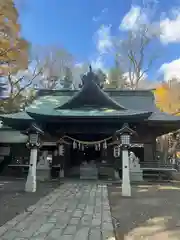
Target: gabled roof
[91,96]
[46,100]
[90,102]
[125,129]
[133,100]
[136,101]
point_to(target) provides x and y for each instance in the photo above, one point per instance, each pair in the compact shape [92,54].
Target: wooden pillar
[150,151]
[66,159]
[55,162]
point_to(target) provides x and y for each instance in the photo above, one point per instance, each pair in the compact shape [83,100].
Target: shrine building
[79,126]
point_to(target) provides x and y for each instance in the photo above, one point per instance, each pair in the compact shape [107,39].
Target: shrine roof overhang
[88,113]
[12,136]
[162,117]
[9,135]
[18,121]
[163,123]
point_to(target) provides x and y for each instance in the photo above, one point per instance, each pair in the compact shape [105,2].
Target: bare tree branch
[28,84]
[136,51]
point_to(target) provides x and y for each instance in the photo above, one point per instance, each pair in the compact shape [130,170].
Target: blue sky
[76,24]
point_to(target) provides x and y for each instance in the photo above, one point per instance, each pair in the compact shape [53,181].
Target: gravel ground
[13,199]
[152,213]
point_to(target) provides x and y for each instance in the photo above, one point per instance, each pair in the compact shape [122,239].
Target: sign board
[116,151]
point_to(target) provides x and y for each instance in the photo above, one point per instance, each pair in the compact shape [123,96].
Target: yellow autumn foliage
[13,48]
[167,97]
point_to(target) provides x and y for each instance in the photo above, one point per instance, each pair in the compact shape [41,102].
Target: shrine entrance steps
[91,173]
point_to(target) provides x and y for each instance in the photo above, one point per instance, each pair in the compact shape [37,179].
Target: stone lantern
[124,134]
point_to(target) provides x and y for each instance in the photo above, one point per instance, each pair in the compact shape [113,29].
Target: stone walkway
[73,211]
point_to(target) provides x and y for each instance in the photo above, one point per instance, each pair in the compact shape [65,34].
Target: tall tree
[136,51]
[116,78]
[20,90]
[168,97]
[67,81]
[101,77]
[21,87]
[78,70]
[13,48]
[54,62]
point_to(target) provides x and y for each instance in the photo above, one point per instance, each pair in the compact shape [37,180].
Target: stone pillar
[116,175]
[61,172]
[126,185]
[43,167]
[31,178]
[117,166]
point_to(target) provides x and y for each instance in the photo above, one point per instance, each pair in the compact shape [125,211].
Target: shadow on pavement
[14,200]
[153,212]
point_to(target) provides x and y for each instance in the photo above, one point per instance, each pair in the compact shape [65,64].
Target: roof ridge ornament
[90,77]
[90,68]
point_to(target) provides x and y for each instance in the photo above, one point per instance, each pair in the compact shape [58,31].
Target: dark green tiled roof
[89,113]
[161,116]
[19,115]
[91,95]
[18,121]
[137,101]
[47,103]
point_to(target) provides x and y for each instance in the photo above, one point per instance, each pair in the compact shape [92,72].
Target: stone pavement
[73,211]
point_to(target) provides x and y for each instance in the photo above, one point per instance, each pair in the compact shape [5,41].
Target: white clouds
[170,28]
[139,21]
[133,19]
[97,63]
[170,70]
[79,65]
[166,30]
[104,39]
